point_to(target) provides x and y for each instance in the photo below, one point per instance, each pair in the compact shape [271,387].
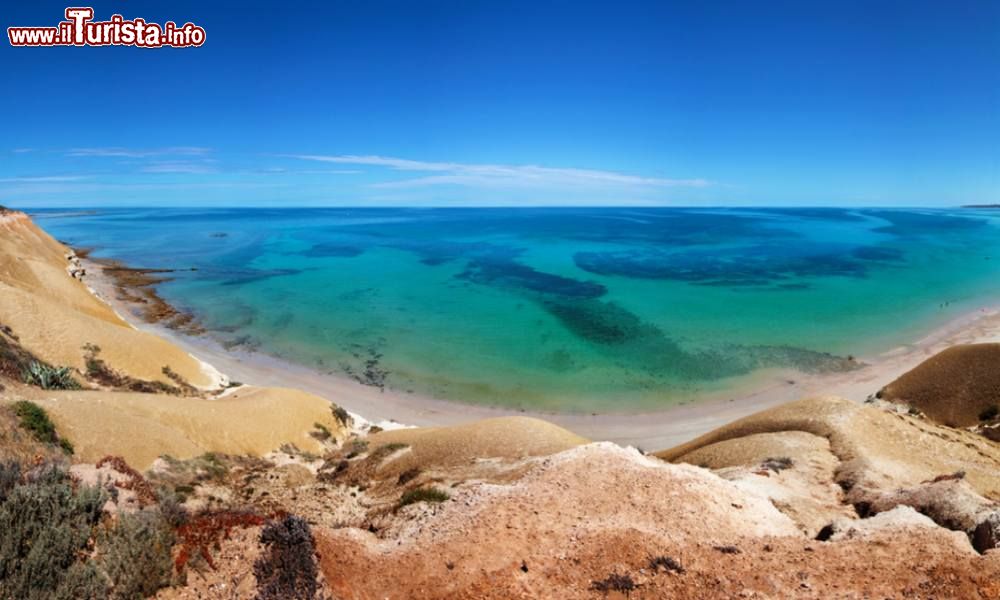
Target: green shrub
[82,580]
[135,554]
[423,495]
[48,377]
[102,373]
[287,568]
[322,432]
[46,524]
[36,420]
[343,417]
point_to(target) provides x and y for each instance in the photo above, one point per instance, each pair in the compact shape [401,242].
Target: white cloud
[498,175]
[178,166]
[22,150]
[134,153]
[45,179]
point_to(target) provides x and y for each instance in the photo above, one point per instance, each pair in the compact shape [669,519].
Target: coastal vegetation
[287,568]
[48,377]
[431,495]
[101,373]
[34,419]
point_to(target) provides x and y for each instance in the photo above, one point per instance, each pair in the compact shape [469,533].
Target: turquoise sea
[559,309]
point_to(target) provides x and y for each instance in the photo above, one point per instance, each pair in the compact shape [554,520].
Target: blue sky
[509,103]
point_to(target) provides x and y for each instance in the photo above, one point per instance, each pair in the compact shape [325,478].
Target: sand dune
[502,437]
[956,386]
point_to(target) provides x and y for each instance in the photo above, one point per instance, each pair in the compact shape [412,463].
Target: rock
[987,534]
[991,433]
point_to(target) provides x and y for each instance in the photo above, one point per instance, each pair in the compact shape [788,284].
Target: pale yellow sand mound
[876,448]
[503,438]
[142,427]
[953,387]
[795,469]
[54,315]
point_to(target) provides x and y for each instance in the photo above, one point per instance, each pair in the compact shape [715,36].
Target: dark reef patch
[439,252]
[654,353]
[596,321]
[878,254]
[757,266]
[254,275]
[512,274]
[331,250]
[912,223]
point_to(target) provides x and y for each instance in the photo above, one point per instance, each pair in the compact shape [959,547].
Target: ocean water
[621,309]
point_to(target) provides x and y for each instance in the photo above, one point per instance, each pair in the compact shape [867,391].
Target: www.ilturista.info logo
[79,29]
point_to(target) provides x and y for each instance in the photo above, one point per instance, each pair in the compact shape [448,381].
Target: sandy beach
[648,430]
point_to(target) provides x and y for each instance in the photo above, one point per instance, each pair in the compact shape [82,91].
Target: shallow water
[560,309]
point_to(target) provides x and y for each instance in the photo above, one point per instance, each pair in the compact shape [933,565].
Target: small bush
[666,563]
[47,523]
[990,413]
[423,495]
[136,556]
[48,377]
[322,432]
[343,417]
[287,568]
[178,379]
[36,420]
[172,508]
[357,447]
[102,373]
[615,583]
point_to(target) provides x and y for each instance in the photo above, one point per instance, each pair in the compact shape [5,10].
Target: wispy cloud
[284,171]
[22,150]
[44,179]
[464,174]
[179,166]
[118,152]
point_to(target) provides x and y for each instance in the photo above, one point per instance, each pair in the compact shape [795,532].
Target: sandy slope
[53,315]
[142,427]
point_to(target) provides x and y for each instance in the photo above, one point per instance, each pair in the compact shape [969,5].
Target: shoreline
[651,430]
